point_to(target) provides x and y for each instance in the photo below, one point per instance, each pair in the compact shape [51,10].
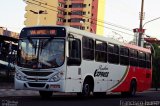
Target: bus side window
[74,52]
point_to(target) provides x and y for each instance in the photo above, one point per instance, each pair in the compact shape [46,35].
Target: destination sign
[43,32]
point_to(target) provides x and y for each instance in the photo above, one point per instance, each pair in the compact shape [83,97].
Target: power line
[40,5]
[111,24]
[90,22]
[98,20]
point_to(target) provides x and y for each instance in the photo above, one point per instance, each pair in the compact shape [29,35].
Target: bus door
[73,76]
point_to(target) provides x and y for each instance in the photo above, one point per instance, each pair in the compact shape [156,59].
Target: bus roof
[95,36]
[107,39]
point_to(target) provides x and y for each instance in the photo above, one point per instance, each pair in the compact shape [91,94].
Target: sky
[124,13]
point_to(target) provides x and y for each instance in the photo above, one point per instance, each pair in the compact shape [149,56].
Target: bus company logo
[101,72]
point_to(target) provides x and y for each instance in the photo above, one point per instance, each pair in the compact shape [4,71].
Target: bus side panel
[90,68]
[116,75]
[73,79]
[134,73]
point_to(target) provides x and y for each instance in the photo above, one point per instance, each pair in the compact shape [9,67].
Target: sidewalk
[7,89]
[13,92]
[6,85]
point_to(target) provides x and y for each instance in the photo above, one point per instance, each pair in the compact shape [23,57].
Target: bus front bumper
[44,86]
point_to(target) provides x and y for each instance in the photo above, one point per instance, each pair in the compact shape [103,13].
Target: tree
[156,66]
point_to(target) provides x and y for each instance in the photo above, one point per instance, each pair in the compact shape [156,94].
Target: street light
[150,21]
[39,12]
[82,22]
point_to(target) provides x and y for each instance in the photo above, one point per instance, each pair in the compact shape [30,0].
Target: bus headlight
[19,76]
[56,77]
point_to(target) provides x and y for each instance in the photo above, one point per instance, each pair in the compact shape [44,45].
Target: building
[6,32]
[152,40]
[81,14]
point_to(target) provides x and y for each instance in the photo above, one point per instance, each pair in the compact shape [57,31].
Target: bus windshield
[41,53]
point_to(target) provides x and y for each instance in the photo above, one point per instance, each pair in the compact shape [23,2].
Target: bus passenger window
[88,48]
[113,53]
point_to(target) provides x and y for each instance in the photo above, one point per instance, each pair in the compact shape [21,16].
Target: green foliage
[156,65]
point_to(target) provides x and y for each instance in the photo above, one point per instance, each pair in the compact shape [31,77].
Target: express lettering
[100,72]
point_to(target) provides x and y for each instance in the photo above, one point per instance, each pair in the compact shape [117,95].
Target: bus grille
[37,79]
[29,73]
[36,84]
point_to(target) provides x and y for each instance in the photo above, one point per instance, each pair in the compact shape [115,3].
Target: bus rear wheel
[45,94]
[132,90]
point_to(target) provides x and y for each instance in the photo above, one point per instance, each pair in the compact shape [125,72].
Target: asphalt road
[147,98]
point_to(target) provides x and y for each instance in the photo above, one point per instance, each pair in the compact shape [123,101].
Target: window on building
[84,13]
[78,5]
[64,20]
[69,20]
[65,13]
[77,12]
[69,13]
[70,6]
[77,20]
[65,6]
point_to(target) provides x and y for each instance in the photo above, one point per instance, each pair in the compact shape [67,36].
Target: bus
[68,60]
[8,52]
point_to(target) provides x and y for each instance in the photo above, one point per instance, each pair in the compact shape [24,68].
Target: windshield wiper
[30,41]
[46,43]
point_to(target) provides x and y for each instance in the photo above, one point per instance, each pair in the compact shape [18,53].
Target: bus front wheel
[45,94]
[87,88]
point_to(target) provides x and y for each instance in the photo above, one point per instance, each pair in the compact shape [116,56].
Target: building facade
[6,32]
[81,14]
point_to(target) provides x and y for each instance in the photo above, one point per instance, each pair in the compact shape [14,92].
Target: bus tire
[45,94]
[133,88]
[87,88]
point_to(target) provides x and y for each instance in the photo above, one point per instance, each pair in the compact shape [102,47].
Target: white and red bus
[64,59]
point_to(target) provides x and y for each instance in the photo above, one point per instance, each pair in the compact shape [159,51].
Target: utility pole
[141,24]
